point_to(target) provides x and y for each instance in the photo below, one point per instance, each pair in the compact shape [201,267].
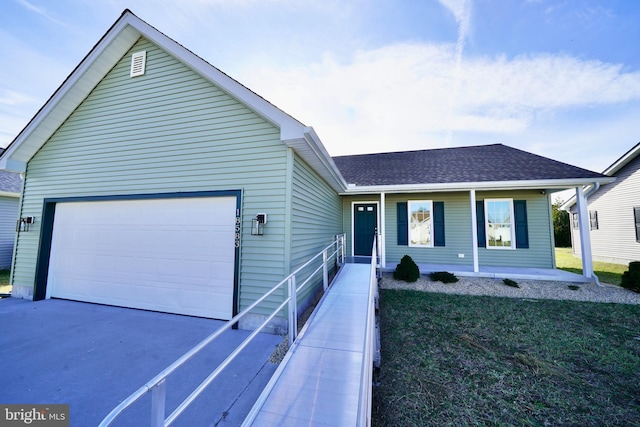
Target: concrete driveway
[93,356]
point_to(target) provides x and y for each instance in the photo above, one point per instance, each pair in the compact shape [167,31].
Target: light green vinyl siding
[316,216]
[8,218]
[167,131]
[458,229]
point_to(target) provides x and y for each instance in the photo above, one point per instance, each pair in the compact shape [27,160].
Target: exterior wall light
[257,224]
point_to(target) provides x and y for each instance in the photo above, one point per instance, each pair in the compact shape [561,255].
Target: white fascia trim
[482,186]
[311,150]
[129,28]
[289,127]
[623,161]
[9,194]
[58,97]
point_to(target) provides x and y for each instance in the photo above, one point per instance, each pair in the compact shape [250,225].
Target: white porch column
[474,231]
[382,232]
[585,235]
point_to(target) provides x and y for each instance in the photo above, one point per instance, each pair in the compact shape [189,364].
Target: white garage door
[171,255]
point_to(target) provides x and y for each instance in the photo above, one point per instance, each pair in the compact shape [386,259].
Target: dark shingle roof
[484,163]
[10,182]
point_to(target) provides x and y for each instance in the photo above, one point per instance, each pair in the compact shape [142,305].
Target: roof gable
[462,165]
[110,49]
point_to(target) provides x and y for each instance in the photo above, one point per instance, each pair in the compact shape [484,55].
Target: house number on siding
[237,231]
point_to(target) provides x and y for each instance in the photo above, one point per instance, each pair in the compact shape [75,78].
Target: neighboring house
[145,169]
[614,214]
[10,187]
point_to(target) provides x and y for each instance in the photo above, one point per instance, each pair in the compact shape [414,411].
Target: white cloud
[401,94]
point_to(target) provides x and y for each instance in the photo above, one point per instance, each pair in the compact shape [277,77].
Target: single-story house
[10,188]
[145,169]
[614,213]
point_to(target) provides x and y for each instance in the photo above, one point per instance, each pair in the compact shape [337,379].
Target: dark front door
[365,219]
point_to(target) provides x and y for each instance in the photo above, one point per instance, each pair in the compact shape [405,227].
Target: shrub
[511,283]
[443,276]
[631,277]
[407,270]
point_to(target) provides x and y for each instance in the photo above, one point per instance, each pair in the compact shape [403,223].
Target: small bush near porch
[466,360]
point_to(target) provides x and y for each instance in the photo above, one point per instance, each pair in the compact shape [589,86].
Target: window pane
[420,229]
[499,223]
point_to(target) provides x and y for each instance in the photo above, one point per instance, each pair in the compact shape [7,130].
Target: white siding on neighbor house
[457,215]
[167,131]
[615,239]
[8,217]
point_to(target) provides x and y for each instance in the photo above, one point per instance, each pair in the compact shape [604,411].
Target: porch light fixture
[257,224]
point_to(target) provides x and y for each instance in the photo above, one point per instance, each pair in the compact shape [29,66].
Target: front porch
[550,274]
[492,272]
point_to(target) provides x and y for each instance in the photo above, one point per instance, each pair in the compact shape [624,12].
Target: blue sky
[557,78]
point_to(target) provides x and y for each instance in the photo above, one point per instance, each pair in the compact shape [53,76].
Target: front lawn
[606,272]
[468,360]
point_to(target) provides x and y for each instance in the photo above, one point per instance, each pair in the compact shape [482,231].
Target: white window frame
[409,210]
[512,224]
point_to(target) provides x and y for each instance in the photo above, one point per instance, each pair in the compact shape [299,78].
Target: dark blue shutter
[482,239]
[403,224]
[438,223]
[522,228]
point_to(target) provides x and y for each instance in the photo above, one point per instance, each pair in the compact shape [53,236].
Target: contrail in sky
[461,10]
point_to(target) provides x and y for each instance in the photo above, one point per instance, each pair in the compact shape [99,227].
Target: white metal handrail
[366,390]
[157,385]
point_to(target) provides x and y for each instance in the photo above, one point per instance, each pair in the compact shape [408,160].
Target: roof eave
[310,149]
[623,160]
[480,186]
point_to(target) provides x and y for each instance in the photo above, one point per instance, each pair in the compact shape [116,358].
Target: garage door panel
[174,255]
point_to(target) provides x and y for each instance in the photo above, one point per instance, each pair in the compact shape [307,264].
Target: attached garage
[175,255]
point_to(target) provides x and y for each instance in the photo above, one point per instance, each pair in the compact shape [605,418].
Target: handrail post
[293,315]
[158,395]
[325,273]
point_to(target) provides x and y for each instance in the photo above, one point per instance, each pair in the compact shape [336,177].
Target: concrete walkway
[93,356]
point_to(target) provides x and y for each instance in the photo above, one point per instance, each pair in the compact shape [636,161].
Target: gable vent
[138,62]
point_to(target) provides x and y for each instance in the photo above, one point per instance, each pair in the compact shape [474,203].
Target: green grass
[5,287]
[606,272]
[467,360]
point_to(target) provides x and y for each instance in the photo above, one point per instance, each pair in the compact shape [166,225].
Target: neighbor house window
[636,217]
[593,220]
[499,223]
[420,223]
[575,220]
